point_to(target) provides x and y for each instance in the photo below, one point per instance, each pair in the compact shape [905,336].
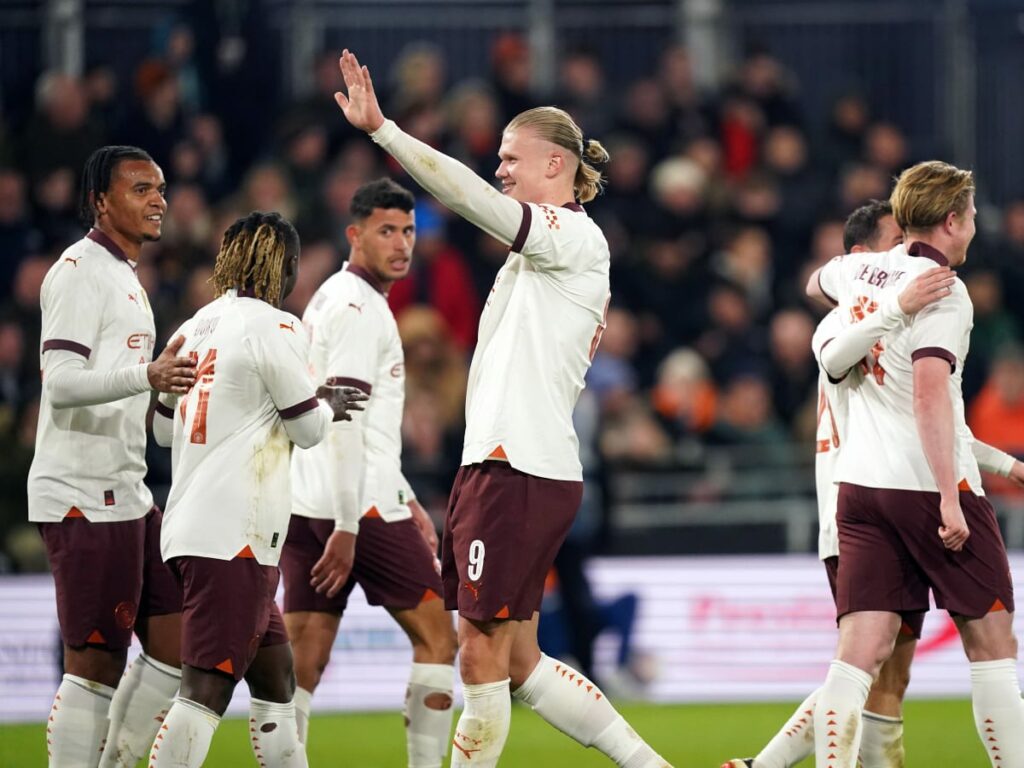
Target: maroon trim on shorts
[524,229]
[102,238]
[835,303]
[164,410]
[346,381]
[368,276]
[917,248]
[574,207]
[67,346]
[294,411]
[945,354]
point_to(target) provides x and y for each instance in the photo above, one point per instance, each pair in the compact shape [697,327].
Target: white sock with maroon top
[998,711]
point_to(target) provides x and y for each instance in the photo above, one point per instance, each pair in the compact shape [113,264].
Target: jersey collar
[574,207]
[917,248]
[368,276]
[100,237]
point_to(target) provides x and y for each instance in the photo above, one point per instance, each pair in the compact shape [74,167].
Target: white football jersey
[354,341]
[230,490]
[92,458]
[831,431]
[883,449]
[541,323]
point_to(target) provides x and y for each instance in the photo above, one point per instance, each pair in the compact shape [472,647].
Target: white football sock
[303,701]
[184,738]
[794,742]
[140,705]
[881,743]
[578,708]
[837,715]
[428,728]
[78,723]
[483,727]
[999,711]
[274,735]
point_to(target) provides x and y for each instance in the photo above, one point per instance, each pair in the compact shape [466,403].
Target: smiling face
[528,162]
[134,205]
[382,243]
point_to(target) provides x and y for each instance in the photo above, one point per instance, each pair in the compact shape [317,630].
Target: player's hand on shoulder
[171,373]
[926,288]
[360,104]
[332,570]
[342,400]
[953,531]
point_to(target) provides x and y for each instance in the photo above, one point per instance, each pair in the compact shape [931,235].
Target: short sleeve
[830,279]
[71,304]
[938,329]
[280,352]
[352,335]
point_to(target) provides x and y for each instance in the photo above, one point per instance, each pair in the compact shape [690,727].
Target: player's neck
[554,197]
[131,249]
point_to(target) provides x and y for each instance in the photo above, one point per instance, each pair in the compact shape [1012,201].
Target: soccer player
[909,482]
[352,483]
[228,510]
[869,229]
[85,487]
[520,483]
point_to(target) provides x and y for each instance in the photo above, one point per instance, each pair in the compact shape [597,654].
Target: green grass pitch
[938,733]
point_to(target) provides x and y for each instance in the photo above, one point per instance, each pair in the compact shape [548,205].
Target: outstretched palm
[360,105]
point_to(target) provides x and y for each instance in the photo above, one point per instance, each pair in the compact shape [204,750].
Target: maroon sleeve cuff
[835,301]
[69,346]
[945,354]
[294,411]
[164,410]
[345,381]
[524,229]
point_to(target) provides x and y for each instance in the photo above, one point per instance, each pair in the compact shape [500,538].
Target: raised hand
[170,373]
[927,287]
[343,400]
[360,105]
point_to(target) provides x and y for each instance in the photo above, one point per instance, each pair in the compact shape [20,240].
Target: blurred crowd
[718,205]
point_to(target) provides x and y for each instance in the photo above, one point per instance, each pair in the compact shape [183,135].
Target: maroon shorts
[393,565]
[229,612]
[107,575]
[913,622]
[891,554]
[501,535]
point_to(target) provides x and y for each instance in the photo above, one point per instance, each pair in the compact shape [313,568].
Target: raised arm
[451,182]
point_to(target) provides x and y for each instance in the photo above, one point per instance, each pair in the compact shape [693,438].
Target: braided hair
[253,255]
[97,173]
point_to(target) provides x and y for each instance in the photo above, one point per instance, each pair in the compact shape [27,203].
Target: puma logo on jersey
[357,307]
[287,326]
[74,262]
[474,589]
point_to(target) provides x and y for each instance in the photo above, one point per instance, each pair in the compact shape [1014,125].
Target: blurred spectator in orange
[684,395]
[996,416]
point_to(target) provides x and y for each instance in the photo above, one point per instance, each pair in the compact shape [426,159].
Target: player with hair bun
[520,483]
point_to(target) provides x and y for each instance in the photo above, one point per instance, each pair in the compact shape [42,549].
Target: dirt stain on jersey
[267,463]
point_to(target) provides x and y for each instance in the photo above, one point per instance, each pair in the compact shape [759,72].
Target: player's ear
[98,201]
[555,164]
[949,221]
[352,232]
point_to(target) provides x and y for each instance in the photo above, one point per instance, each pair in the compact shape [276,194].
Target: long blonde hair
[253,254]
[557,126]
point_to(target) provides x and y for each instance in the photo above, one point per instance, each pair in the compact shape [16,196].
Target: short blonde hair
[557,126]
[927,192]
